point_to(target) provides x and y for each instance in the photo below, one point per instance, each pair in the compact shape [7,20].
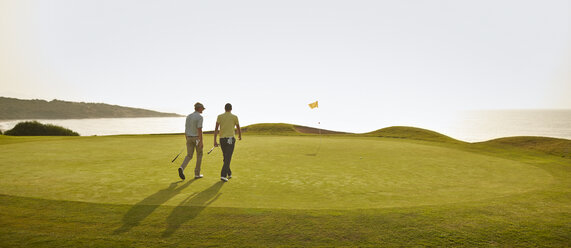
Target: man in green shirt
[227,122]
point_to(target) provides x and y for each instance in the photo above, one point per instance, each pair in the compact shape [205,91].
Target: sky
[370,64]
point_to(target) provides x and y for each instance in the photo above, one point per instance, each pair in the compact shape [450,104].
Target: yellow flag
[313,105]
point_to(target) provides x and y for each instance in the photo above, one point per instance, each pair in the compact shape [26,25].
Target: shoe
[224,179]
[180,174]
[229,176]
[198,177]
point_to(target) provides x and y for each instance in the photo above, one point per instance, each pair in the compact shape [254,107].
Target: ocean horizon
[469,126]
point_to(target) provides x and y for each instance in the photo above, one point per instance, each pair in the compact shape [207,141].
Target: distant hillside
[15,109]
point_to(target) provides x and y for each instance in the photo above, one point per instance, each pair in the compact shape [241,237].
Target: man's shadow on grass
[144,208]
[191,207]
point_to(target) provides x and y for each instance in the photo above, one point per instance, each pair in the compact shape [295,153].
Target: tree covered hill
[14,109]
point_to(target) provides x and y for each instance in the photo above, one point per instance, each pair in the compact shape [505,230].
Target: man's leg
[227,150]
[189,153]
[198,159]
[224,147]
[230,152]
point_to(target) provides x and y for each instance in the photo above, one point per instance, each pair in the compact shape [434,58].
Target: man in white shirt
[193,134]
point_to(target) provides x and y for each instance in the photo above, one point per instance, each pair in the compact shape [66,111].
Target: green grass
[115,191]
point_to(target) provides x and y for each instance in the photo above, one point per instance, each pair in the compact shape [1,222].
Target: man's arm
[216,134]
[239,132]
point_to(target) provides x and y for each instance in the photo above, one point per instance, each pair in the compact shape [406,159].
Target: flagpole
[319,126]
[312,106]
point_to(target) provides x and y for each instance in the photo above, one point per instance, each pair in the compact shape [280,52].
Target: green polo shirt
[227,123]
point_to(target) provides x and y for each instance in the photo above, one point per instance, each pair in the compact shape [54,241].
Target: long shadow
[144,208]
[191,207]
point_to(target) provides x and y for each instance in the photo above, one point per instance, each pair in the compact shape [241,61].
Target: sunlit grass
[286,190]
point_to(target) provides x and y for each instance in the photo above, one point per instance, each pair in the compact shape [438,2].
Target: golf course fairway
[337,190]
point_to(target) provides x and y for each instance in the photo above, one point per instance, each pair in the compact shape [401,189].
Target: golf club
[177,155]
[211,150]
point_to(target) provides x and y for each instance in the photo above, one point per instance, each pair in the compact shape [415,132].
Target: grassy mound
[34,128]
[553,146]
[271,129]
[389,132]
[285,129]
[412,133]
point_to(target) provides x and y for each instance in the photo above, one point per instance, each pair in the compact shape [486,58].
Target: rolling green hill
[397,132]
[271,128]
[553,146]
[285,129]
[14,109]
[411,133]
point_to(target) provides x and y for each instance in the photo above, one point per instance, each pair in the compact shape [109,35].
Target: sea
[469,126]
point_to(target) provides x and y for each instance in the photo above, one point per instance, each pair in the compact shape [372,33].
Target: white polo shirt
[193,122]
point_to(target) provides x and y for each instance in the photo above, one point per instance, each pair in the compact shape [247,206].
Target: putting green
[289,172]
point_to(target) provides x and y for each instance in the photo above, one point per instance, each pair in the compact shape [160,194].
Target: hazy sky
[369,63]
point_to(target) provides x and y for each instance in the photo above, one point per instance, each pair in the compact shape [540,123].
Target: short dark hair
[228,107]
